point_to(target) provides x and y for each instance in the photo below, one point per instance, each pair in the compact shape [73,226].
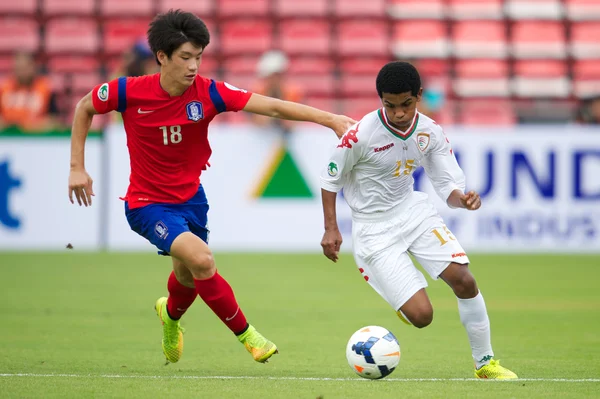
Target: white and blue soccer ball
[373,352]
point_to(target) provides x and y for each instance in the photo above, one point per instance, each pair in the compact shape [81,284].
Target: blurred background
[484,62]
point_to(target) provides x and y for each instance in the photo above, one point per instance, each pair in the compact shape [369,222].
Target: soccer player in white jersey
[373,164]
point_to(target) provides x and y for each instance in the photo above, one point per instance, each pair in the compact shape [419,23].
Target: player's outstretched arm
[275,108]
[80,183]
[332,238]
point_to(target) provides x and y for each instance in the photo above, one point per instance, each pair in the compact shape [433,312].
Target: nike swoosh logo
[235,314]
[143,112]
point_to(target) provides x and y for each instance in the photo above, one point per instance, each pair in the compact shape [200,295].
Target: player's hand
[80,183]
[471,200]
[331,243]
[341,124]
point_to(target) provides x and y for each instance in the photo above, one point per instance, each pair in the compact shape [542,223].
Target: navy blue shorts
[162,223]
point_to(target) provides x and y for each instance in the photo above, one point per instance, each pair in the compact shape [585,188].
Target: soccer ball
[373,352]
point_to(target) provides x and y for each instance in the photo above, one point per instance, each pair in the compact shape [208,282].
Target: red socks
[218,295]
[180,297]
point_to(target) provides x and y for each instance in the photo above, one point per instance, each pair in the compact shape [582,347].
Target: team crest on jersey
[332,169]
[103,92]
[194,110]
[423,141]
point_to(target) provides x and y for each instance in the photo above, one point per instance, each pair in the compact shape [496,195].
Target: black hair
[170,30]
[398,77]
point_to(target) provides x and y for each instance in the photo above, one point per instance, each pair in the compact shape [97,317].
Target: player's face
[183,65]
[400,108]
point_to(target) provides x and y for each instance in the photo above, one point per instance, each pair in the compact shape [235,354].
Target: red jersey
[167,136]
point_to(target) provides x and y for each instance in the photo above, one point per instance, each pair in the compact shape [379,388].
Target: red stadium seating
[585,40]
[83,82]
[73,63]
[329,104]
[356,108]
[481,78]
[243,8]
[358,8]
[475,9]
[304,36]
[486,113]
[305,8]
[246,36]
[358,75]
[201,8]
[68,35]
[18,34]
[586,78]
[410,9]
[362,37]
[6,64]
[241,64]
[313,75]
[68,7]
[209,68]
[479,39]
[243,81]
[420,39]
[534,9]
[541,78]
[126,8]
[26,7]
[538,40]
[583,10]
[121,34]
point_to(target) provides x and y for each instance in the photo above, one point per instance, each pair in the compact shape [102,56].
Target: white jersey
[374,163]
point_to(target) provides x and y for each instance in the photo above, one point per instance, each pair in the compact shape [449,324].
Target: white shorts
[381,246]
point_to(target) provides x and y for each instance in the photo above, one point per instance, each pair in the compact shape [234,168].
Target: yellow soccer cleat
[172,341]
[494,371]
[259,347]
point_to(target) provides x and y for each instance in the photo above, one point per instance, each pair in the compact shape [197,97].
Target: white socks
[473,315]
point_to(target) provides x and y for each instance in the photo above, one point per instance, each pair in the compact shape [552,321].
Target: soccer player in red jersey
[166,119]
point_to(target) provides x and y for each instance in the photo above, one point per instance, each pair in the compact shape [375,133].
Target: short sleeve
[227,97]
[343,159]
[110,96]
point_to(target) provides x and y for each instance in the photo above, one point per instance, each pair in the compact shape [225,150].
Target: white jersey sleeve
[343,159]
[441,166]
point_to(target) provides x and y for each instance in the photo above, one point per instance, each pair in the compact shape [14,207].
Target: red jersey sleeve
[110,96]
[234,99]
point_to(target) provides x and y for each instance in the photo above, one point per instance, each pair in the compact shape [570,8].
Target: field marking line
[225,377]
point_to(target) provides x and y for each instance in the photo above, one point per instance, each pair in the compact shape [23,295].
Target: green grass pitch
[82,325]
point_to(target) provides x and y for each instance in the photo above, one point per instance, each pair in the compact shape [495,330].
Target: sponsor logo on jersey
[423,141]
[232,87]
[194,111]
[332,169]
[350,136]
[385,147]
[161,230]
[103,92]
[458,255]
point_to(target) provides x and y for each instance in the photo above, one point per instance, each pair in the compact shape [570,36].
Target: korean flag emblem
[194,111]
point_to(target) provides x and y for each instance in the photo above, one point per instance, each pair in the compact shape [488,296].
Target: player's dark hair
[398,77]
[170,30]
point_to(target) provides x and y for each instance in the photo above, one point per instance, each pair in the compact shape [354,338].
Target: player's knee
[465,285]
[423,318]
[202,264]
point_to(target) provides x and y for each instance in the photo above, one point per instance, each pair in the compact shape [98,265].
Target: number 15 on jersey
[171,134]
